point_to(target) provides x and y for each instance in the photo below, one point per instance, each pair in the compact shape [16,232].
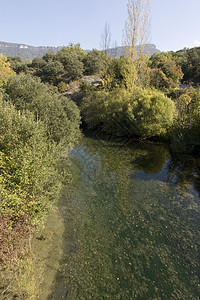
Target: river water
[132,219]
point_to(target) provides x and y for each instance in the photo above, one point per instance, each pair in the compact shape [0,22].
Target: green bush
[27,162]
[60,115]
[146,113]
[152,112]
[35,124]
[186,130]
[30,179]
[62,86]
[165,74]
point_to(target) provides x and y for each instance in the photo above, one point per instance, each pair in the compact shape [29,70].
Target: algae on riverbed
[131,232]
[47,252]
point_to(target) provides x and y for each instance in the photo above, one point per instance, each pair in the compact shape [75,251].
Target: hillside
[24,51]
[29,52]
[149,49]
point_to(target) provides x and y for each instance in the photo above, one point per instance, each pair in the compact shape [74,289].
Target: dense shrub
[186,130]
[60,115]
[27,161]
[30,179]
[19,65]
[145,113]
[35,124]
[189,60]
[152,112]
[165,73]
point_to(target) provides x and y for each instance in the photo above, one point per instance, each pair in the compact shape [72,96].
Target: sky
[175,24]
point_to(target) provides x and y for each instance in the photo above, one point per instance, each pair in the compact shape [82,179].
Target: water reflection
[186,171]
[132,224]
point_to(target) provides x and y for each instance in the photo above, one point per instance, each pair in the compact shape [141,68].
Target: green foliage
[30,178]
[64,66]
[165,73]
[38,64]
[153,112]
[71,59]
[62,86]
[5,71]
[92,62]
[19,65]
[102,109]
[49,70]
[144,113]
[118,73]
[49,56]
[26,158]
[52,72]
[60,115]
[32,167]
[115,74]
[136,31]
[37,128]
[189,60]
[186,130]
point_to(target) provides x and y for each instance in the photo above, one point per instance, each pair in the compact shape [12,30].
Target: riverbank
[47,251]
[33,276]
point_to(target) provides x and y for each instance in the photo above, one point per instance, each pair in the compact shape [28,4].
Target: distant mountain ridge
[24,51]
[29,52]
[149,49]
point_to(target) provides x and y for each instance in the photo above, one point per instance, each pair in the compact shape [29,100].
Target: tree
[92,62]
[19,65]
[115,73]
[186,130]
[165,73]
[49,56]
[71,59]
[37,66]
[106,38]
[60,116]
[5,71]
[189,60]
[136,34]
[52,72]
[106,59]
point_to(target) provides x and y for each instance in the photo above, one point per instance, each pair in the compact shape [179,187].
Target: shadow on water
[132,221]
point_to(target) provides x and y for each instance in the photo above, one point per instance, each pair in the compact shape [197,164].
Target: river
[132,223]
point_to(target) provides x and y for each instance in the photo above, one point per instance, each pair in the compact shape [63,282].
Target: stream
[132,223]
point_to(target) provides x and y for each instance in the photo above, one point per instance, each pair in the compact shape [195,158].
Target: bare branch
[106,38]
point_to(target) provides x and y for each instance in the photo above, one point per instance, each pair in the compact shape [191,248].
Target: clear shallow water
[132,224]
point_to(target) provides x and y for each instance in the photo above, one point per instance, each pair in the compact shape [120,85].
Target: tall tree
[106,59]
[71,58]
[136,34]
[106,38]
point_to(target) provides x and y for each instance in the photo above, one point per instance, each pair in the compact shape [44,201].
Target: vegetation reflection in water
[132,224]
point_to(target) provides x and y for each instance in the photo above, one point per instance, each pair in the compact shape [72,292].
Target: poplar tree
[136,34]
[106,59]
[106,38]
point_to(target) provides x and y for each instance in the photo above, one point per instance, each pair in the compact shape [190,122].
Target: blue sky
[175,23]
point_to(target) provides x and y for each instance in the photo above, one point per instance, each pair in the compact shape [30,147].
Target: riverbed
[132,222]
